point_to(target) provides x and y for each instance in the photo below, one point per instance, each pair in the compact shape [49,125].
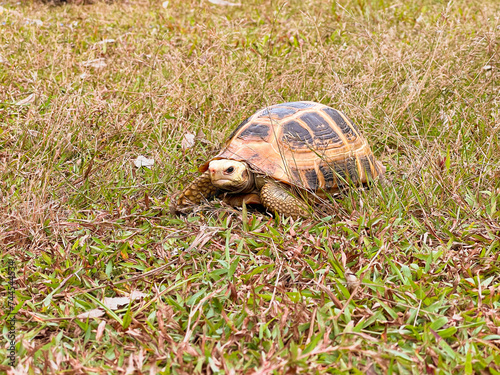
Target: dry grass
[85,89]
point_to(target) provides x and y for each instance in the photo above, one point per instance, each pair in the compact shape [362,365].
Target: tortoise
[302,147]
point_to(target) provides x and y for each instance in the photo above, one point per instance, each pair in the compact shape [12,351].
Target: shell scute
[298,105]
[339,170]
[238,128]
[255,132]
[341,123]
[327,172]
[352,170]
[323,132]
[311,179]
[366,167]
[277,113]
[296,136]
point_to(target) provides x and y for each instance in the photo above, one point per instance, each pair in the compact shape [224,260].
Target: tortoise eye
[230,170]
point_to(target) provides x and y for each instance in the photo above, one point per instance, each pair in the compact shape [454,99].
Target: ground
[402,278]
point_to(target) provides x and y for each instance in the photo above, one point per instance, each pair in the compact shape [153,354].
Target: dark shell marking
[352,170]
[312,181]
[255,132]
[238,128]
[277,113]
[322,131]
[340,173]
[339,120]
[298,105]
[305,178]
[365,164]
[374,164]
[296,136]
[327,173]
[352,124]
[296,176]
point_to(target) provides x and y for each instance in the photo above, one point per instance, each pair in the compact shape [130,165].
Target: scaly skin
[274,196]
[201,188]
[278,199]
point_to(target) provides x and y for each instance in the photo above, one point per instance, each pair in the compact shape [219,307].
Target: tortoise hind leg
[278,199]
[201,188]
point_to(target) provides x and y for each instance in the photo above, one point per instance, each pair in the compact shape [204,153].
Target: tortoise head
[230,175]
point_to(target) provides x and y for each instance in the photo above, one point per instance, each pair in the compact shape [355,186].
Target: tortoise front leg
[201,188]
[278,199]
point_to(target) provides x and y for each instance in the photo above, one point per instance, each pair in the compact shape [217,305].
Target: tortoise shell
[304,144]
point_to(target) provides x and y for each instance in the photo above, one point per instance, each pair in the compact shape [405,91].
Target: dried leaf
[114,302]
[106,41]
[488,69]
[33,133]
[187,141]
[26,101]
[100,330]
[352,280]
[185,347]
[135,294]
[223,2]
[200,135]
[95,313]
[36,22]
[142,161]
[96,63]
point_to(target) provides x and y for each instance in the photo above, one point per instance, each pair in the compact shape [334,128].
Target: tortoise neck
[249,184]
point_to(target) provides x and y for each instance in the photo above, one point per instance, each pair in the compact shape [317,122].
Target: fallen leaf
[187,348]
[28,100]
[113,302]
[96,63]
[457,318]
[187,141]
[223,2]
[142,161]
[100,330]
[352,280]
[95,313]
[106,41]
[488,70]
[137,295]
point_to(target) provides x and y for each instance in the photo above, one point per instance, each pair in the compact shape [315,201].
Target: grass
[403,278]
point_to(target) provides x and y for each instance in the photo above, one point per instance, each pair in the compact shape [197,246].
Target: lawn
[101,278]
